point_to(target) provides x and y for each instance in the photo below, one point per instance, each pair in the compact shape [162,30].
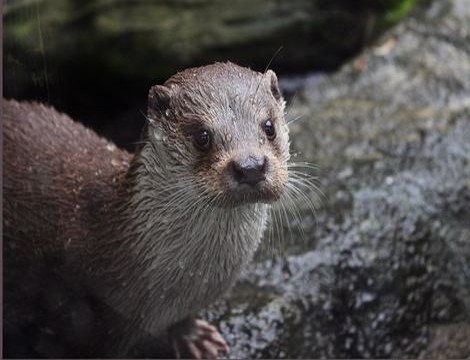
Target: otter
[158,235]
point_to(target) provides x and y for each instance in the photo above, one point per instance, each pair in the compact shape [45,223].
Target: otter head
[222,128]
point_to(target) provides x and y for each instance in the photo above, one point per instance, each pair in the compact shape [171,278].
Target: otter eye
[203,139]
[269,130]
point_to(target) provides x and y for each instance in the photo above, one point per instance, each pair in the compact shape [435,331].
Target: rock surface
[384,270]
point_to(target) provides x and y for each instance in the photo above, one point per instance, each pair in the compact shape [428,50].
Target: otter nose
[249,170]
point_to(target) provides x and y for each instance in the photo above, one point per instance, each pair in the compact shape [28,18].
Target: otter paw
[197,339]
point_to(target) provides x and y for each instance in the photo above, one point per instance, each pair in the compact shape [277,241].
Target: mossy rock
[96,60]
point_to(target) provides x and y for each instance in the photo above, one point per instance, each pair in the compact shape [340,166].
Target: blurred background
[96,60]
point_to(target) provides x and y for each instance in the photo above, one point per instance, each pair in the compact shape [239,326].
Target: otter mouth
[245,194]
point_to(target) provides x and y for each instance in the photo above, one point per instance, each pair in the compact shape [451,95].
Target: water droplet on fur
[167,112]
[157,135]
[181,264]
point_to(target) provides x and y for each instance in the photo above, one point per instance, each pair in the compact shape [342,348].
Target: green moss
[398,12]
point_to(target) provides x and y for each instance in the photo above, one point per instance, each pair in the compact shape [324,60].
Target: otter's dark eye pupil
[269,130]
[203,140]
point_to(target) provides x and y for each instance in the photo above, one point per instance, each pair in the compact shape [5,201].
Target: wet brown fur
[54,182]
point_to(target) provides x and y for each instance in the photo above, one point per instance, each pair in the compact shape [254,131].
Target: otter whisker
[304,198]
[297,118]
[292,207]
[278,234]
[306,179]
[291,106]
[280,209]
[308,183]
[267,66]
[284,221]
[303,164]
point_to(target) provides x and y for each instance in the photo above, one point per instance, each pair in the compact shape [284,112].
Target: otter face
[227,129]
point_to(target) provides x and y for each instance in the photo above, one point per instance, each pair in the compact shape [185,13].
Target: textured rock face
[383,272]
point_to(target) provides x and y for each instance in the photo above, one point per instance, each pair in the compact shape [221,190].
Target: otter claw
[199,340]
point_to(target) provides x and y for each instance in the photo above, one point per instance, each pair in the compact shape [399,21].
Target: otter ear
[273,84]
[158,101]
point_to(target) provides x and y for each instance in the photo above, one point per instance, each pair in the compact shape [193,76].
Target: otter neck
[170,244]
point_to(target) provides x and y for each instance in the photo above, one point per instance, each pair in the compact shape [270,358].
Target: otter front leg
[196,339]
